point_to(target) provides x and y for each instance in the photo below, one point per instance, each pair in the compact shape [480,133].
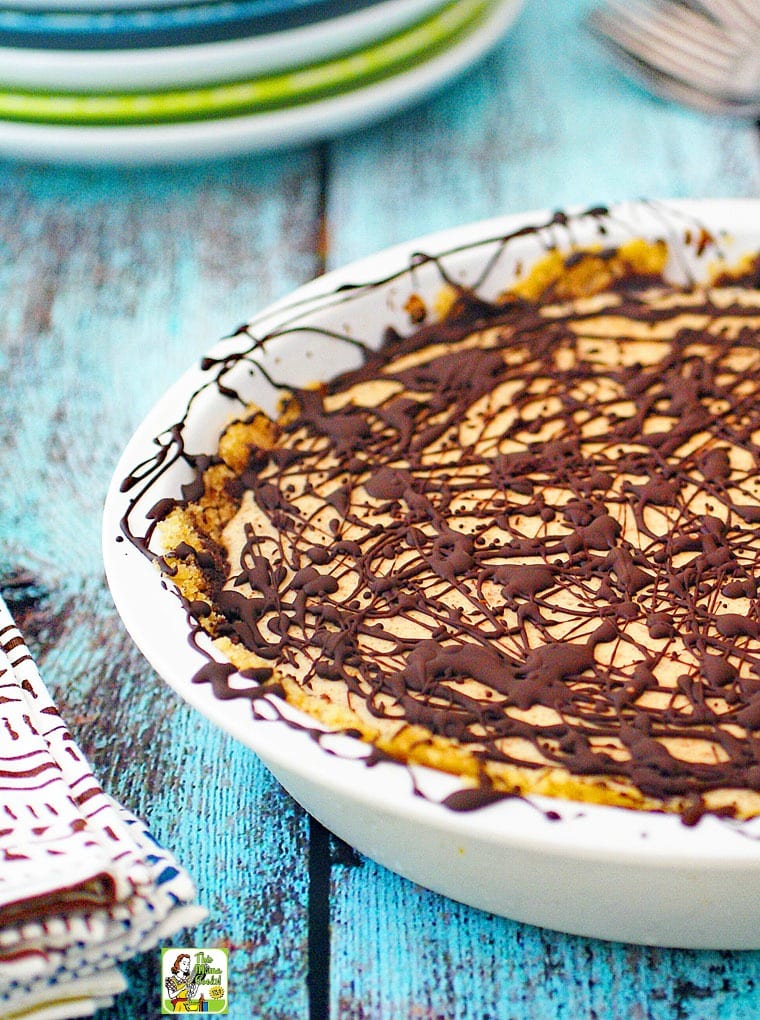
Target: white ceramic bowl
[595,870]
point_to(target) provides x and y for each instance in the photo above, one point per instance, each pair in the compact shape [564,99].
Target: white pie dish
[596,871]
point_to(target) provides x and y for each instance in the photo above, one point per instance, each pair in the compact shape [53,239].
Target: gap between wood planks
[325,849]
[318,974]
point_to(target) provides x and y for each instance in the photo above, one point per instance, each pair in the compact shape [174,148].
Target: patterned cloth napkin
[83,886]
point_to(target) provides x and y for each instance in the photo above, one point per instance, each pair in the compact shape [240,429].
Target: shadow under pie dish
[510,544]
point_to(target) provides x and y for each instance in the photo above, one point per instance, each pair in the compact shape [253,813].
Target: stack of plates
[136,80]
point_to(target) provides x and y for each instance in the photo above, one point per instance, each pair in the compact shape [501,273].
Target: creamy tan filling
[598,340]
[568,610]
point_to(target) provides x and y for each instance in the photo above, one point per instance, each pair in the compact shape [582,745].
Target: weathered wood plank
[417,954]
[112,283]
[545,121]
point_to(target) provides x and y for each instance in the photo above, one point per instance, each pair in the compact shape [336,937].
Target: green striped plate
[402,51]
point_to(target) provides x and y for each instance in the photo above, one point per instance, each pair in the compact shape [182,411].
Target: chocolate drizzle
[540,544]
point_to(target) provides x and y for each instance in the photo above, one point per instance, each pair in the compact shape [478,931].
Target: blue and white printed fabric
[83,885]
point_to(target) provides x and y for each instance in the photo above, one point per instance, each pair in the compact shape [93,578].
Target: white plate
[337,76]
[166,67]
[274,9]
[291,126]
[597,871]
[175,25]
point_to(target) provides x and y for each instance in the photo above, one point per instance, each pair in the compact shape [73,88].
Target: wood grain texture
[115,283]
[111,283]
[417,954]
[544,122]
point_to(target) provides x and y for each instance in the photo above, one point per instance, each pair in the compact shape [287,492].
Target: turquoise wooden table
[112,281]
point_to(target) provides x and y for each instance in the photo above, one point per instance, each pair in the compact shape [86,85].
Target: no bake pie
[519,543]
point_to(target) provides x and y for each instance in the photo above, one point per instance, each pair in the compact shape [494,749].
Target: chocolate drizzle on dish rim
[517,542]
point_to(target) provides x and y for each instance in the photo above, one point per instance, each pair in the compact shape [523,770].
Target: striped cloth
[83,885]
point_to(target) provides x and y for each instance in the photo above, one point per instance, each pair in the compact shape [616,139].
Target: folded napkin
[83,885]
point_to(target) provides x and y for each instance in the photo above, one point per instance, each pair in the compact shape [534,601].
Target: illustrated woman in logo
[181,990]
